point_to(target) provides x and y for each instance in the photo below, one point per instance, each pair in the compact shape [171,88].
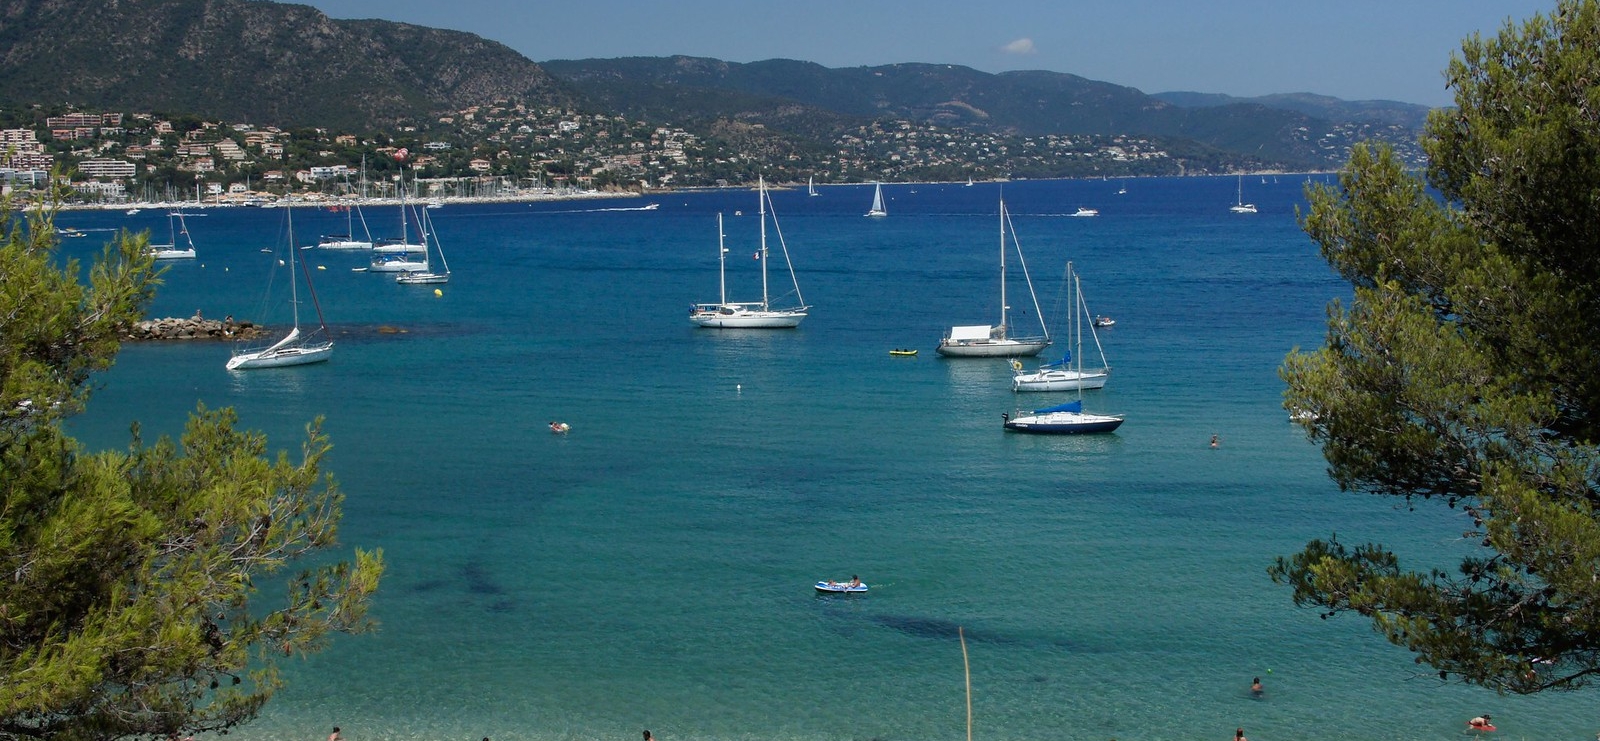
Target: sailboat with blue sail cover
[1068,418]
[1062,419]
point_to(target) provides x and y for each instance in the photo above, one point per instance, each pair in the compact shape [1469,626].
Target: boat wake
[649,207]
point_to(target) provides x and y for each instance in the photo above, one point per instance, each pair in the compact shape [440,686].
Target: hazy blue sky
[1352,49]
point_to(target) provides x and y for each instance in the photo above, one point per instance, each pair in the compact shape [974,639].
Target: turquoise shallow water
[652,569]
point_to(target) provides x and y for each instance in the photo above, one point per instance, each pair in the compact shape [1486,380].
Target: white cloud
[1020,46]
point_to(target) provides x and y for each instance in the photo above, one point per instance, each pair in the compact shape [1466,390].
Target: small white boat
[1085,212]
[811,188]
[1104,321]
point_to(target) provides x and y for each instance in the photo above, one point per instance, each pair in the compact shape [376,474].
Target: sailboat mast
[722,263]
[294,294]
[1003,306]
[761,210]
[1076,291]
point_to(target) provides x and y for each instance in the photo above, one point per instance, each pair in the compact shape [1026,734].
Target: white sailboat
[348,240]
[401,255]
[295,348]
[811,187]
[1239,206]
[725,314]
[994,341]
[427,275]
[1065,374]
[877,201]
[171,250]
[1068,418]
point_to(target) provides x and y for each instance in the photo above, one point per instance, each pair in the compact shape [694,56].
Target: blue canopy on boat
[1071,406]
[1062,363]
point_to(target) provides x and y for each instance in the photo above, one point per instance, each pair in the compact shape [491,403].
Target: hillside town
[507,150]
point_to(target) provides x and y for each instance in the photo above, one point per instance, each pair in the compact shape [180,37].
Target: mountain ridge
[251,61]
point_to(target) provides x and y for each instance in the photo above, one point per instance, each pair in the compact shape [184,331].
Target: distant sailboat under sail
[877,201]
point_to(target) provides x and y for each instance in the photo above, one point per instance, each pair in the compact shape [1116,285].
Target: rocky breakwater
[193,328]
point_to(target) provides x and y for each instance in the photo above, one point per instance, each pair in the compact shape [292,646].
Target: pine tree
[128,579]
[1466,370]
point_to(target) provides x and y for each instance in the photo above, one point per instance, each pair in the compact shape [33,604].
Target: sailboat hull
[343,244]
[1060,380]
[391,264]
[422,278]
[1063,423]
[746,319]
[1007,348]
[282,356]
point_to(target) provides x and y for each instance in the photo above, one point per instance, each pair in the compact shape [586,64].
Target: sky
[1350,49]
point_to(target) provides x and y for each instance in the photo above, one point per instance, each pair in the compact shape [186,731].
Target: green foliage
[1467,369]
[128,579]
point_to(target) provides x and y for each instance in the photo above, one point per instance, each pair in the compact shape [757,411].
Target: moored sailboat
[1239,206]
[725,314]
[172,250]
[295,348]
[427,275]
[1062,419]
[1064,374]
[402,255]
[995,341]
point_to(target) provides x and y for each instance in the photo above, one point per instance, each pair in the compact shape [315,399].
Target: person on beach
[1255,687]
[335,735]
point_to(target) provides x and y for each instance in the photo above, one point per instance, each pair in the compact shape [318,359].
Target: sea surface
[653,568]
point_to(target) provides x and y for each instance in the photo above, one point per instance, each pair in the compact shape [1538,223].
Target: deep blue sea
[653,568]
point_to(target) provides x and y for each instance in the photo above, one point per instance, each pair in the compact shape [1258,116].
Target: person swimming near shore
[1255,687]
[1481,723]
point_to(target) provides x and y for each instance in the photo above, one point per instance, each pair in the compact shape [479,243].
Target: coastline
[259,200]
[319,200]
